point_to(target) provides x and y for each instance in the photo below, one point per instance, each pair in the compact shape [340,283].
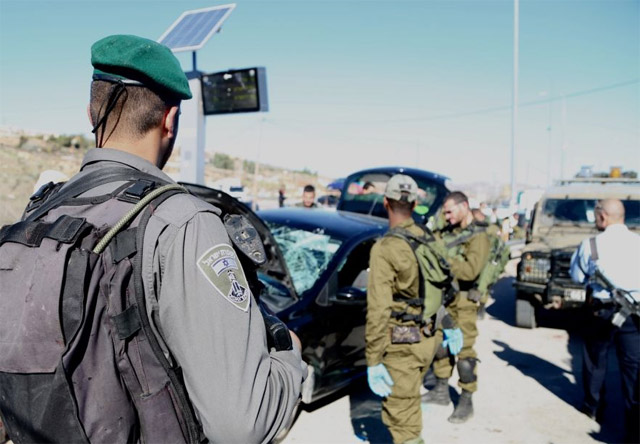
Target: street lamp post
[514,105]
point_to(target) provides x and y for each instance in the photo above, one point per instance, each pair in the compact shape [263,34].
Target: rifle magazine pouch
[404,334]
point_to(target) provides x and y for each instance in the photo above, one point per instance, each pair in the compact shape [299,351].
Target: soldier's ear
[170,122]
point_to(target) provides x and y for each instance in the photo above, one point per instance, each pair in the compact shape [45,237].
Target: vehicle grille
[560,275]
[560,264]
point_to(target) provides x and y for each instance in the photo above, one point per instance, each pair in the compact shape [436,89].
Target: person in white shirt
[615,252]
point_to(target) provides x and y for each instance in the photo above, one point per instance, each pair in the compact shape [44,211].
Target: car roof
[339,224]
[592,189]
[414,172]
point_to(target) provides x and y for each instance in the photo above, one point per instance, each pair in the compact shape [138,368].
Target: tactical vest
[499,255]
[454,243]
[435,277]
[78,359]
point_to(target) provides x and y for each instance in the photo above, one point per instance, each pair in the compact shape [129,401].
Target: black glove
[278,336]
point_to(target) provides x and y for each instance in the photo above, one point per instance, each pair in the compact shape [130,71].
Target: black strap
[192,426]
[123,244]
[65,229]
[88,182]
[415,302]
[128,322]
[414,240]
[406,317]
[80,262]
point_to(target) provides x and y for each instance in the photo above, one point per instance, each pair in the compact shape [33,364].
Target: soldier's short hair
[401,206]
[137,111]
[309,189]
[457,197]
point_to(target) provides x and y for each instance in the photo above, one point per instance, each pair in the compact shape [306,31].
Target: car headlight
[535,269]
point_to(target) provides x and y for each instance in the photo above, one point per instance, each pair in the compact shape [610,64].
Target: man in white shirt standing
[615,252]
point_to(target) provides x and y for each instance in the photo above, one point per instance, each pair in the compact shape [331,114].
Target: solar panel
[194,28]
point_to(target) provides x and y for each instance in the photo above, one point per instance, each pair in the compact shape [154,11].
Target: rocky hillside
[23,159]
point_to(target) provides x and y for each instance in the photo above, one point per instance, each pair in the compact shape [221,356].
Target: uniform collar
[96,156]
[616,228]
[406,223]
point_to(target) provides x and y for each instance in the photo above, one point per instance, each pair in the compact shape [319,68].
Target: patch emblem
[221,268]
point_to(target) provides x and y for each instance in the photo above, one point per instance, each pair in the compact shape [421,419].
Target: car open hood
[275,265]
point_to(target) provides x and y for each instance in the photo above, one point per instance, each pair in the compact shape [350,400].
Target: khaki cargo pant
[465,312]
[407,364]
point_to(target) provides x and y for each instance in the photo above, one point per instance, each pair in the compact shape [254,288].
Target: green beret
[141,60]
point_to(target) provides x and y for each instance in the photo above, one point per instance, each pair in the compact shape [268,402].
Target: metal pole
[563,149]
[256,171]
[193,59]
[514,105]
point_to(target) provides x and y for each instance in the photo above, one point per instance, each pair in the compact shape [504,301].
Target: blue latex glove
[379,380]
[453,340]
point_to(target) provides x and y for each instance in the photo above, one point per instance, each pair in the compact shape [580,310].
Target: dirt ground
[529,392]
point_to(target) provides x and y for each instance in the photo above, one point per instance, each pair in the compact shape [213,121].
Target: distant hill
[24,157]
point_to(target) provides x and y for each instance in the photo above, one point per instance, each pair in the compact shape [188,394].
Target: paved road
[529,390]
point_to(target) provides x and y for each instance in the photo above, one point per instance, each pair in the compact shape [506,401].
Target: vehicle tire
[525,314]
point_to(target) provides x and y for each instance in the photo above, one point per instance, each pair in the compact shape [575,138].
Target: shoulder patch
[221,267]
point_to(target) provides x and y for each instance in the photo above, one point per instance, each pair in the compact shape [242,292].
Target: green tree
[249,166]
[223,161]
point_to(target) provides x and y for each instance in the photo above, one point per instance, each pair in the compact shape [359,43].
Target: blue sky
[355,84]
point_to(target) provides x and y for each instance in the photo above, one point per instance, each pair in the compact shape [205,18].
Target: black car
[363,191]
[315,281]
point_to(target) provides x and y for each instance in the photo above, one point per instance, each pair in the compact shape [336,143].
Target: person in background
[369,188]
[615,253]
[281,197]
[308,197]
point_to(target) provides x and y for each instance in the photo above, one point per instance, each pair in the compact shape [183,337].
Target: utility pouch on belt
[403,334]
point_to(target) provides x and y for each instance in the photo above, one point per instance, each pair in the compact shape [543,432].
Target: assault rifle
[623,299]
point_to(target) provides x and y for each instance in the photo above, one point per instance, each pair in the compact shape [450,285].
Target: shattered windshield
[306,253]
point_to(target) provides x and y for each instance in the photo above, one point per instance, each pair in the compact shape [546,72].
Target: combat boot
[464,409]
[438,394]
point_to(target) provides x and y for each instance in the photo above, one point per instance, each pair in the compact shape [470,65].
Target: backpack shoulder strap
[412,239]
[182,398]
[91,180]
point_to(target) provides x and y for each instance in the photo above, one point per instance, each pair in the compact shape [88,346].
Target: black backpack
[78,359]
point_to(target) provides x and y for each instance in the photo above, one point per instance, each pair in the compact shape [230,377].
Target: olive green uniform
[467,262]
[492,230]
[394,271]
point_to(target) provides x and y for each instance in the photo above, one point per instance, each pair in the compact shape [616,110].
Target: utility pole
[514,105]
[564,136]
[256,171]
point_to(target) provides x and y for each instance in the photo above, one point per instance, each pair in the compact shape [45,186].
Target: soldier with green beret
[400,341]
[188,360]
[468,246]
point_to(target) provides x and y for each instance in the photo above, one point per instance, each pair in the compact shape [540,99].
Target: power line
[474,112]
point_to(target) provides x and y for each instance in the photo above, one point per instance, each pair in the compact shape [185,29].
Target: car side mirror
[349,296]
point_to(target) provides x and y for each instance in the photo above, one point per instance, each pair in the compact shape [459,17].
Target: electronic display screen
[237,91]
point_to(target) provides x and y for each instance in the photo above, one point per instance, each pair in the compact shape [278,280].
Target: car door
[336,344]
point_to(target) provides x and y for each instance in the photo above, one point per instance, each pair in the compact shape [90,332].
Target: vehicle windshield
[582,211]
[306,253]
[364,194]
